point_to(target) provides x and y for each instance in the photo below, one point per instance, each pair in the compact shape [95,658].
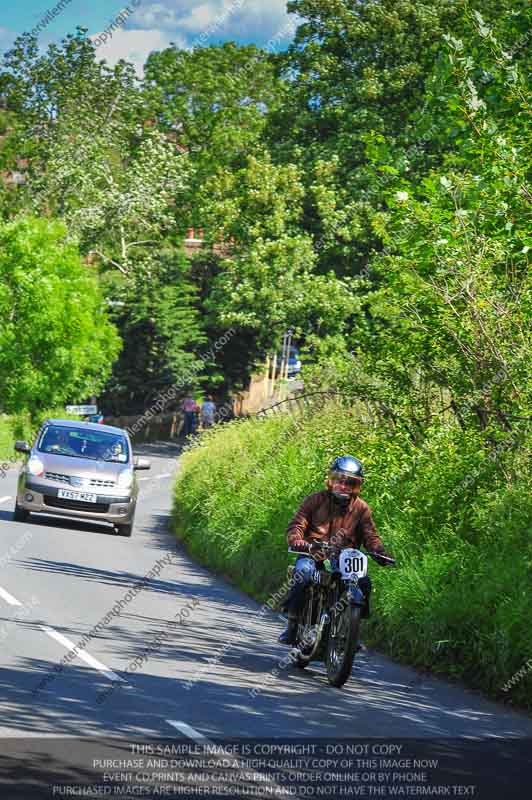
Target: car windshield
[83,443]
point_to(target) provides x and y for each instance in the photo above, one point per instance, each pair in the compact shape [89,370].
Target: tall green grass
[6,439]
[459,603]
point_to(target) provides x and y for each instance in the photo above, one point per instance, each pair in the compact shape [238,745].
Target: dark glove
[315,550]
[300,545]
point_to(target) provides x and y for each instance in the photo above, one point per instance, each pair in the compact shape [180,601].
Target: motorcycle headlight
[35,466]
[125,479]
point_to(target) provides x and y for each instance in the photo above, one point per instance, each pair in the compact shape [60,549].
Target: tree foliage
[368,188]
[56,344]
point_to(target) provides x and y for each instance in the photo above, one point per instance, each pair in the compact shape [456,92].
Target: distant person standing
[208,410]
[190,408]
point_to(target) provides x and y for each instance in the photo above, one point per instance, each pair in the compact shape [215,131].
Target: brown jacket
[318,520]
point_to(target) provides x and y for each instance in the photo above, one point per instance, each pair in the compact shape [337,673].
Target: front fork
[347,592]
[355,594]
[352,589]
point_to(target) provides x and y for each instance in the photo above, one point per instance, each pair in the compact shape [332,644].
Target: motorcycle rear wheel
[342,645]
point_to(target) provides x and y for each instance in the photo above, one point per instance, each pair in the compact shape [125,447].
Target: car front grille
[85,482]
[75,505]
[56,476]
[98,482]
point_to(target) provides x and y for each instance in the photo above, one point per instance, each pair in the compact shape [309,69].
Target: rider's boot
[289,635]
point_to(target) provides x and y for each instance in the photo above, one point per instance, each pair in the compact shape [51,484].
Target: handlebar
[329,548]
[379,557]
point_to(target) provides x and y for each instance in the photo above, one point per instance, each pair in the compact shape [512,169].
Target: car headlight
[125,479]
[35,466]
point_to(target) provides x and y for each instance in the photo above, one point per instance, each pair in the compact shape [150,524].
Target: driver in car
[337,515]
[58,442]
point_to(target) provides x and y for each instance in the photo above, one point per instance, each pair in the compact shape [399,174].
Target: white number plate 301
[353,563]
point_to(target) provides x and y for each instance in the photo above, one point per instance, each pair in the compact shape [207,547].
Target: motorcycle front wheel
[342,644]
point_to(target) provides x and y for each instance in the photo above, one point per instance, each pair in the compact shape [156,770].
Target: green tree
[95,157]
[356,113]
[267,281]
[161,326]
[216,100]
[449,316]
[56,343]
[98,161]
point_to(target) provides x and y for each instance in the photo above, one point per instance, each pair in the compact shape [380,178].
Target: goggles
[345,480]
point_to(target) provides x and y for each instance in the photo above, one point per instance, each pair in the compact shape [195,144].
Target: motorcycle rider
[337,515]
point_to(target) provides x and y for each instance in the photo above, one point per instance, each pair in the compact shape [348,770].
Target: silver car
[80,469]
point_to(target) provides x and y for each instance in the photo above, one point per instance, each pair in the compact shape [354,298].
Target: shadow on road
[71,524]
[160,449]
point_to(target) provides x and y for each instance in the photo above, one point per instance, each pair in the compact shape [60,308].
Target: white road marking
[163,475]
[3,499]
[9,598]
[88,659]
[143,479]
[199,738]
[192,733]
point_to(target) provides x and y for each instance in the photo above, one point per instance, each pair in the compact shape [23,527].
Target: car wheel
[20,514]
[124,530]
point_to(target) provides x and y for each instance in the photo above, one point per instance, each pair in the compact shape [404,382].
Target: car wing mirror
[22,447]
[141,463]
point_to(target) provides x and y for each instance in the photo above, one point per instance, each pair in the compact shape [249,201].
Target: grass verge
[458,519]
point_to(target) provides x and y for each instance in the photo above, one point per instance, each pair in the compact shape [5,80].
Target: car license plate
[82,497]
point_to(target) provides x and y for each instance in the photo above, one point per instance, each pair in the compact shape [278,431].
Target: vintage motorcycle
[329,622]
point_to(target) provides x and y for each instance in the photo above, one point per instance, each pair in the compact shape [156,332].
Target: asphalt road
[199,643]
